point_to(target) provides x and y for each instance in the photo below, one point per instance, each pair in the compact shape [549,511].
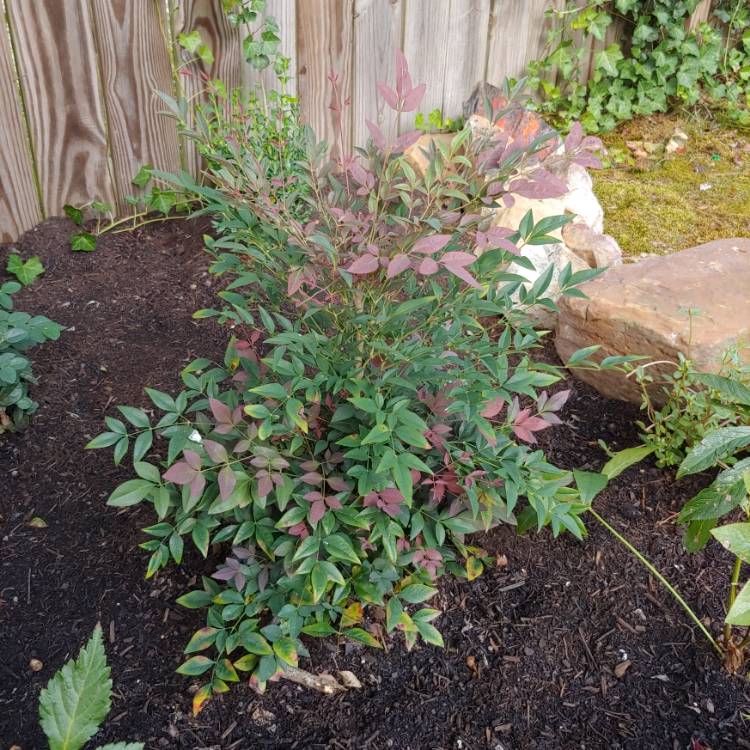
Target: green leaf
[624,459]
[143,176]
[122,746]
[130,493]
[716,446]
[271,390]
[731,389]
[25,271]
[589,484]
[195,599]
[739,612]
[83,242]
[195,666]
[286,650]
[105,440]
[362,636]
[255,643]
[137,417]
[77,698]
[429,633]
[339,547]
[736,538]
[74,213]
[201,639]
[606,60]
[417,593]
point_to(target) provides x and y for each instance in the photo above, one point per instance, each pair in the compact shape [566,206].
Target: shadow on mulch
[532,647]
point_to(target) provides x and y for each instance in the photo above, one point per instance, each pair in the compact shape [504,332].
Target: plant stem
[650,567]
[733,586]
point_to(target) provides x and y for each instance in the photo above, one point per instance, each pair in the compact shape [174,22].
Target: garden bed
[536,648]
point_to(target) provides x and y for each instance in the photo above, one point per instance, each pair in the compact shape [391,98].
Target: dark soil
[532,646]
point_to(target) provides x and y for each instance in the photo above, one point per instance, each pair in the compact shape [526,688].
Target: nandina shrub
[390,407]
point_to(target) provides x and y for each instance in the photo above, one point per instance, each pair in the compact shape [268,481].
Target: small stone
[677,143]
[596,249]
[349,679]
[35,665]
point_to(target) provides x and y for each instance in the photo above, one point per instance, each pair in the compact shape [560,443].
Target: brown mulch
[563,645]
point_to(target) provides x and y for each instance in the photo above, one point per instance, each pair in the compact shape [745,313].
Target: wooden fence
[79,113]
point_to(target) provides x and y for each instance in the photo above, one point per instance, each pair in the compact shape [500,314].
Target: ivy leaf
[606,60]
[77,699]
[83,242]
[25,271]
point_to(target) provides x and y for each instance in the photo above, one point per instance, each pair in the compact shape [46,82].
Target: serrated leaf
[736,538]
[739,612]
[716,446]
[77,698]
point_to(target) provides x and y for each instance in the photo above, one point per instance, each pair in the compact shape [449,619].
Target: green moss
[657,206]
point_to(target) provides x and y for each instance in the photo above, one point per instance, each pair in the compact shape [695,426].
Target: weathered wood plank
[19,205]
[285,13]
[324,46]
[518,31]
[445,42]
[378,27]
[134,64]
[700,14]
[57,67]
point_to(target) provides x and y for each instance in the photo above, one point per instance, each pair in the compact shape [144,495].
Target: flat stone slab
[643,308]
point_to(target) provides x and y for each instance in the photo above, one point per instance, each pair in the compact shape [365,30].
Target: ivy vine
[649,60]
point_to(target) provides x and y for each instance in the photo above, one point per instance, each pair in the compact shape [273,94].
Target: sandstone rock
[642,309]
[580,198]
[416,152]
[543,256]
[598,250]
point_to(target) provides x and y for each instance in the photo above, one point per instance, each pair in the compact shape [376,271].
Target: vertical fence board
[285,13]
[426,29]
[324,45]
[466,52]
[378,27]
[518,30]
[19,206]
[208,18]
[701,13]
[58,70]
[134,63]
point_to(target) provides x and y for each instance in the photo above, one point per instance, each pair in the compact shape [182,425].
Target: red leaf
[193,459]
[197,486]
[294,281]
[557,400]
[413,98]
[389,95]
[428,266]
[216,452]
[222,413]
[493,408]
[180,473]
[313,496]
[397,264]
[333,502]
[312,477]
[403,78]
[464,275]
[364,264]
[377,134]
[539,184]
[317,511]
[524,434]
[458,259]
[431,244]
[337,484]
[265,485]
[227,482]
[392,495]
[407,139]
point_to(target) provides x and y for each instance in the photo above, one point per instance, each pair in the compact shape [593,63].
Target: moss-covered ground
[654,203]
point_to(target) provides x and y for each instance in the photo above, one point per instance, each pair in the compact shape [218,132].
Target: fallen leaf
[349,679]
[37,523]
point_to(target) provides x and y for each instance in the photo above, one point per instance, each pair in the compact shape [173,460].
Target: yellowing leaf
[474,568]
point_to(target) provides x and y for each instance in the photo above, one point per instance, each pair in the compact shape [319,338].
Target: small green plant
[664,63]
[24,270]
[435,122]
[77,700]
[729,491]
[19,331]
[377,403]
[694,404]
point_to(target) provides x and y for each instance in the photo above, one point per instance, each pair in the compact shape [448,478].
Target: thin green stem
[667,585]
[733,586]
